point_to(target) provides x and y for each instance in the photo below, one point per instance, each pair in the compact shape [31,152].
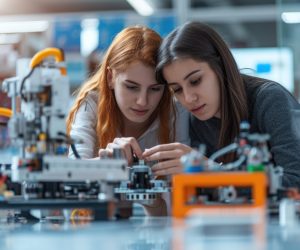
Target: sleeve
[278,114]
[83,129]
[182,125]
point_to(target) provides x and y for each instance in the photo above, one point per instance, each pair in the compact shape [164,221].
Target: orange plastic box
[185,185]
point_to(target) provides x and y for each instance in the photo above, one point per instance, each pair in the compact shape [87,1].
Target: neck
[133,129]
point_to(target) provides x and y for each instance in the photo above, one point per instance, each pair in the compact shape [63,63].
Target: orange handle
[5,112]
[40,56]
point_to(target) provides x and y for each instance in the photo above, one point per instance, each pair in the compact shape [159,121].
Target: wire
[73,147]
[74,150]
[23,83]
[235,164]
[223,151]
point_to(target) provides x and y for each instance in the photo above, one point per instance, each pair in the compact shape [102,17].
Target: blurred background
[263,34]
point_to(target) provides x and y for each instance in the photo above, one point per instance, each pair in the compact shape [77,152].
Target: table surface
[142,232]
[147,233]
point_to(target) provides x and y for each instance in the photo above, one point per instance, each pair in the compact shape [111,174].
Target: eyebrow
[136,83]
[191,73]
[187,76]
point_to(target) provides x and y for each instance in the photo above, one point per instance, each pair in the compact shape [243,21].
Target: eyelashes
[135,88]
[131,87]
[177,91]
[195,82]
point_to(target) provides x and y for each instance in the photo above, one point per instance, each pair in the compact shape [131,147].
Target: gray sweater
[272,110]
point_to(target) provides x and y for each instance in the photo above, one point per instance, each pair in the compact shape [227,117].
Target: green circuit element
[256,167]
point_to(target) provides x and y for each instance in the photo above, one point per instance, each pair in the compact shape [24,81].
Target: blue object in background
[263,67]
[77,71]
[193,169]
[67,35]
[108,29]
[61,150]
[162,25]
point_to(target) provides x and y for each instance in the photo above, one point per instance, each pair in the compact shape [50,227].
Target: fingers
[129,146]
[165,165]
[125,146]
[167,168]
[136,149]
[162,147]
[105,153]
[168,156]
[165,155]
[166,151]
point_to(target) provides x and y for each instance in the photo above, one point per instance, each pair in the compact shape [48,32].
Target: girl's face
[136,91]
[196,87]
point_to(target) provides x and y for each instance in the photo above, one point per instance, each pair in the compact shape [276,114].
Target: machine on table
[40,176]
[250,181]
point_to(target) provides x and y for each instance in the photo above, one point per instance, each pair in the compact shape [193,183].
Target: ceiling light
[23,26]
[142,7]
[291,17]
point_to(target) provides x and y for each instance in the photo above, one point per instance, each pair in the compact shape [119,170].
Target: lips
[140,111]
[199,108]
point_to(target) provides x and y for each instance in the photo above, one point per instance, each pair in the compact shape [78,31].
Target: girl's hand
[168,156]
[129,146]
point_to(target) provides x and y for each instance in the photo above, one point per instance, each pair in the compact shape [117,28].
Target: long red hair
[131,44]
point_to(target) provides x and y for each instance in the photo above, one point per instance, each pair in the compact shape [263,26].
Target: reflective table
[142,232]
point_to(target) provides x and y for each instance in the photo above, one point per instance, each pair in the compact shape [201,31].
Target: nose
[142,99]
[190,96]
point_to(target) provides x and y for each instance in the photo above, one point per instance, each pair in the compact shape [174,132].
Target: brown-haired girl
[199,68]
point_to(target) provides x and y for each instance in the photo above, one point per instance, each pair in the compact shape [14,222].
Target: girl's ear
[109,77]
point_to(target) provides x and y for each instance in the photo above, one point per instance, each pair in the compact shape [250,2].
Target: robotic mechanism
[250,181]
[40,176]
[141,187]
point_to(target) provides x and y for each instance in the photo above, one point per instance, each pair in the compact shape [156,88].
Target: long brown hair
[131,44]
[200,42]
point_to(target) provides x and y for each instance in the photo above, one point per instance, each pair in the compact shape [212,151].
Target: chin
[138,120]
[204,117]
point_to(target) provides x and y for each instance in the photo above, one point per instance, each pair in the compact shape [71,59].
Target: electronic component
[141,186]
